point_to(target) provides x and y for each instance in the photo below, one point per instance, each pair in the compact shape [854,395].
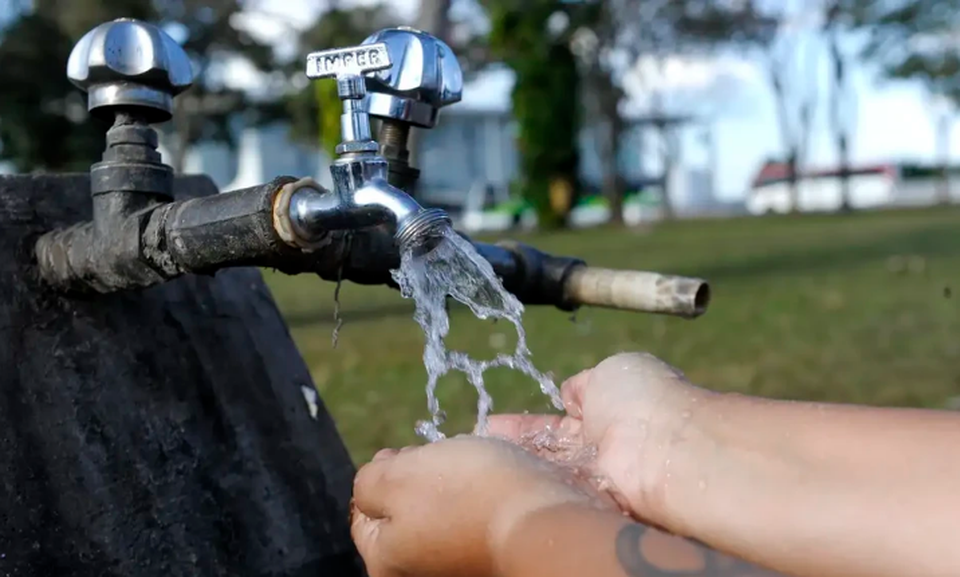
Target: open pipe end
[420,232]
[701,300]
[639,291]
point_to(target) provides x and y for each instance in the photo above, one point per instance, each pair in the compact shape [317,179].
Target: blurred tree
[211,38]
[917,40]
[57,134]
[608,38]
[782,34]
[624,33]
[40,115]
[43,118]
[533,38]
[793,78]
[75,18]
[602,93]
[840,18]
[315,109]
[433,16]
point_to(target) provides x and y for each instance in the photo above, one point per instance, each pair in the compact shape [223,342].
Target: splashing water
[454,268]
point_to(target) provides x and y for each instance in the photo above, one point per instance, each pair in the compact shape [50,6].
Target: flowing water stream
[454,268]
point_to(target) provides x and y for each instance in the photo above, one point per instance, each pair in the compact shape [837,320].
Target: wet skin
[646,552]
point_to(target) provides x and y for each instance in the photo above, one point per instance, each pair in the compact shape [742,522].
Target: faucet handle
[130,64]
[348,62]
[348,66]
[424,77]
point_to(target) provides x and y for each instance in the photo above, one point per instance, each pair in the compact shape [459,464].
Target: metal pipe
[199,235]
[392,138]
[362,199]
[314,213]
[204,234]
[637,291]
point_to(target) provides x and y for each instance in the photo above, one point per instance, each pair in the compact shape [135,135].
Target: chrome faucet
[361,197]
[423,78]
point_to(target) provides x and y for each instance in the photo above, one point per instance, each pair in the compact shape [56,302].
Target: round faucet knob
[130,64]
[423,78]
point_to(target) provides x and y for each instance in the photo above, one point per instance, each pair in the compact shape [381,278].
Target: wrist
[534,544]
[678,450]
[514,513]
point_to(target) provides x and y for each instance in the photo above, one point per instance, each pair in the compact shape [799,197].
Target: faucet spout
[373,202]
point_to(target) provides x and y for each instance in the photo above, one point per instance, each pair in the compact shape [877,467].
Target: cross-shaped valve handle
[348,66]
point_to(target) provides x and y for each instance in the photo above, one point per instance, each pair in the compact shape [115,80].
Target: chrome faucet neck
[348,66]
[354,122]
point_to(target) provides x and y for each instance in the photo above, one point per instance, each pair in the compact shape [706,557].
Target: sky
[894,121]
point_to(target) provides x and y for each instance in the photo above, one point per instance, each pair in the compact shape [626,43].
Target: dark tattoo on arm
[645,552]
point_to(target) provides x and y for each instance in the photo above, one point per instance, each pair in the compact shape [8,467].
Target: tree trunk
[846,203]
[669,212]
[791,143]
[794,180]
[614,193]
[839,120]
[943,146]
[609,131]
[667,151]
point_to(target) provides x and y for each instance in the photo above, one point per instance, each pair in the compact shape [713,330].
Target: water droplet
[686,415]
[703,485]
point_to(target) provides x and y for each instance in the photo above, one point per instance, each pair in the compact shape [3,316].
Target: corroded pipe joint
[79,259]
[162,242]
[202,235]
[292,208]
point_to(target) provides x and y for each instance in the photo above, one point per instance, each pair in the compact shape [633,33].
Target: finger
[515,427]
[572,390]
[375,486]
[368,536]
[385,454]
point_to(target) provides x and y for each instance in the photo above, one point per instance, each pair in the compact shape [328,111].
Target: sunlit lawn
[813,307]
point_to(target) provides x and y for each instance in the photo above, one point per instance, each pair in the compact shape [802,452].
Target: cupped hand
[446,508]
[624,416]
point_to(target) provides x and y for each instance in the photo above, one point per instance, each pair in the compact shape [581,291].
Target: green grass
[812,307]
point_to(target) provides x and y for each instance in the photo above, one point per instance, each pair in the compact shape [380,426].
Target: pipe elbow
[313,212]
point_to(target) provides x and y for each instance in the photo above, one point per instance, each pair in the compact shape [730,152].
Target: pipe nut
[281,215]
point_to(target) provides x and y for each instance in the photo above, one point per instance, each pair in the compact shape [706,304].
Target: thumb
[572,391]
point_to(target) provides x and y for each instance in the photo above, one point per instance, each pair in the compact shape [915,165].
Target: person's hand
[623,418]
[446,508]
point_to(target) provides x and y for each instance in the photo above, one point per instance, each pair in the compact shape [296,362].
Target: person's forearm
[812,489]
[574,541]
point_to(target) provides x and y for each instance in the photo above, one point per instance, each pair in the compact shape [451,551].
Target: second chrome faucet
[362,197]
